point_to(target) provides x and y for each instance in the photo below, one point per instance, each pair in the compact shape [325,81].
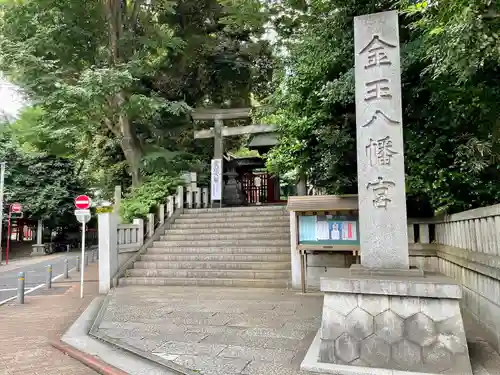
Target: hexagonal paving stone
[359,324]
[332,324]
[406,355]
[437,358]
[341,302]
[439,309]
[375,351]
[389,327]
[373,304]
[404,306]
[347,348]
[420,329]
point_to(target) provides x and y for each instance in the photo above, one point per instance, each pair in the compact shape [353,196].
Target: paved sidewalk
[215,331]
[25,330]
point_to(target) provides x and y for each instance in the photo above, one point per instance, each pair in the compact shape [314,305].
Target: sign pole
[8,237]
[2,182]
[82,213]
[82,267]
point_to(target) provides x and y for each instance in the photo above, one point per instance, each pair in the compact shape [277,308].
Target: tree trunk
[124,129]
[131,149]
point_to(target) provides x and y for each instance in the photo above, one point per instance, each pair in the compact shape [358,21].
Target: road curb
[94,363]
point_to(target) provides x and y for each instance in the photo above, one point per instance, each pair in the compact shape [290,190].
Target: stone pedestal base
[390,325]
[38,250]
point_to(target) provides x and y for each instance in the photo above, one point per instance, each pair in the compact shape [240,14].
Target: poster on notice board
[328,230]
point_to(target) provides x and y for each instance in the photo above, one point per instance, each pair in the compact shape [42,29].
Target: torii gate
[218,132]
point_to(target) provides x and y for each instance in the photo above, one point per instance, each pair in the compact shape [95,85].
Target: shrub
[146,198]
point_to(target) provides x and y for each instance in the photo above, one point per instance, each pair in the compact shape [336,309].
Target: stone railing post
[161,213]
[424,236]
[38,247]
[180,196]
[170,205]
[411,233]
[151,224]
[140,231]
[108,250]
[205,197]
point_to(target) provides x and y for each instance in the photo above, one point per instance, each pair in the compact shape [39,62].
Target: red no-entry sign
[16,208]
[82,202]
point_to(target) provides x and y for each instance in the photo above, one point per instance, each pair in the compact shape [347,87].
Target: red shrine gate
[260,187]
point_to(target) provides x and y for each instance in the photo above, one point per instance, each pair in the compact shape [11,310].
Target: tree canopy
[114,75]
[450,117]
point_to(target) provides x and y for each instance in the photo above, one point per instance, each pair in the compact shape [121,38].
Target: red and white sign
[82,202]
[16,208]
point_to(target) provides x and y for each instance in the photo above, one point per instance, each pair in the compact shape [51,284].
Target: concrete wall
[468,247]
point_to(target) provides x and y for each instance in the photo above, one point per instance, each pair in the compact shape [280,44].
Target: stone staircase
[240,247]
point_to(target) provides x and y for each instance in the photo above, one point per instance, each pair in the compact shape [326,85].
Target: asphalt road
[35,274]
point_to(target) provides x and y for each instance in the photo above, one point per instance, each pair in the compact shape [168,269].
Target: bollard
[77,264]
[97,254]
[20,288]
[66,270]
[93,256]
[86,259]
[48,282]
[67,248]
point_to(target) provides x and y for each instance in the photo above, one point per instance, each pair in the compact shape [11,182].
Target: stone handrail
[131,237]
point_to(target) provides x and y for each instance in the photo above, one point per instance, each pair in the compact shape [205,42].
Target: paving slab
[230,331]
[213,331]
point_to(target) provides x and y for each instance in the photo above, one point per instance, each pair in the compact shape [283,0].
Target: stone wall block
[375,351]
[359,324]
[420,329]
[340,302]
[403,306]
[373,304]
[347,348]
[389,327]
[332,325]
[439,309]
[406,355]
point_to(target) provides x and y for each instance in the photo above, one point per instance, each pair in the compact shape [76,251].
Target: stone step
[240,283]
[235,236]
[251,214]
[225,228]
[238,209]
[215,257]
[210,274]
[221,243]
[220,250]
[233,219]
[213,265]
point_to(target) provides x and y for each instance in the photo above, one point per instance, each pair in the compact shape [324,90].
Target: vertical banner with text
[216,180]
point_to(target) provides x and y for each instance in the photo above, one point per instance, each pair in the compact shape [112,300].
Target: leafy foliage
[450,117]
[126,74]
[45,185]
[146,198]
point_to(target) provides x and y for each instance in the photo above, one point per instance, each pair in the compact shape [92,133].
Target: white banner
[216,181]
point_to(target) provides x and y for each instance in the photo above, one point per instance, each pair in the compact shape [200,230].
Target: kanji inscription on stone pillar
[379,134]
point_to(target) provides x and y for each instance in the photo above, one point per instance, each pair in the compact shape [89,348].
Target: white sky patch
[11,101]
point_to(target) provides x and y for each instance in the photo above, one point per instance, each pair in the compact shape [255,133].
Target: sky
[10,100]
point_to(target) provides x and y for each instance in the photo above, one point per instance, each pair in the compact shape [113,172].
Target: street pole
[8,237]
[82,268]
[2,180]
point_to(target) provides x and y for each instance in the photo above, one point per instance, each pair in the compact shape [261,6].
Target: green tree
[450,163]
[45,185]
[127,70]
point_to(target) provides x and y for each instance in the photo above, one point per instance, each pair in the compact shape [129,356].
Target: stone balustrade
[120,244]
